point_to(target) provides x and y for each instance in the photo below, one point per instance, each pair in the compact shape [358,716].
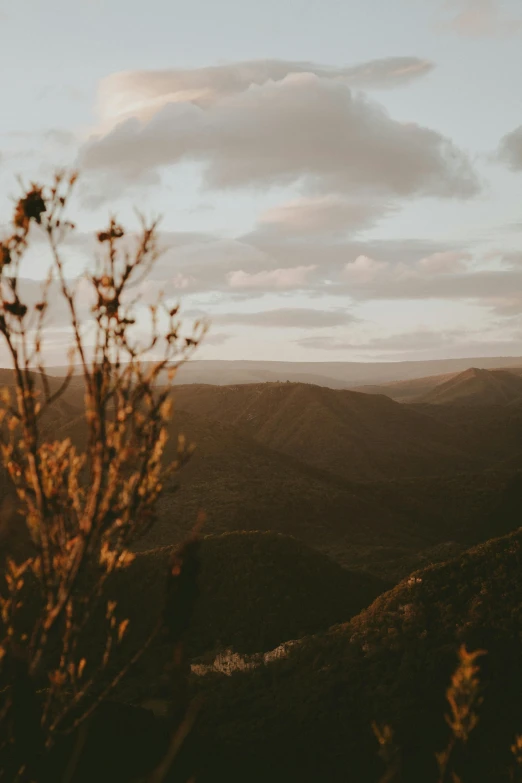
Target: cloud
[302,128]
[414,340]
[207,263]
[480,19]
[215,339]
[400,282]
[512,259]
[419,344]
[288,318]
[58,334]
[43,145]
[189,262]
[510,149]
[445,263]
[508,258]
[322,215]
[368,274]
[364,270]
[65,92]
[290,278]
[386,72]
[506,306]
[142,93]
[258,263]
[515,226]
[60,137]
[331,255]
[229,270]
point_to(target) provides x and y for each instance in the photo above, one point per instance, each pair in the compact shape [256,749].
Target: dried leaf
[122,628]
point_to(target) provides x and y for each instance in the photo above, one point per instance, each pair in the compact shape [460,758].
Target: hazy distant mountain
[476,386]
[333,374]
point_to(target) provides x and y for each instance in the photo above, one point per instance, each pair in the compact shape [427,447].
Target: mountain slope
[406,391]
[386,527]
[257,590]
[307,716]
[356,436]
[416,389]
[244,485]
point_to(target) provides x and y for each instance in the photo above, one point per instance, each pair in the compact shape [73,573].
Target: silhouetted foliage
[83,509]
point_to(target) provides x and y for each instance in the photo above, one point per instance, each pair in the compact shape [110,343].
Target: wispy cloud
[288,318]
[419,344]
[480,19]
[288,278]
[327,215]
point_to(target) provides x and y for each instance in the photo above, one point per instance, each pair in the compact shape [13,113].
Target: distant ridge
[409,390]
[333,374]
[477,387]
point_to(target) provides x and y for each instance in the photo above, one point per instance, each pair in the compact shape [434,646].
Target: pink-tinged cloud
[303,128]
[142,93]
[294,277]
[323,215]
[444,263]
[364,270]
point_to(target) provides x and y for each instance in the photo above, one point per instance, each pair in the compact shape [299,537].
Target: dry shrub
[464,699]
[83,509]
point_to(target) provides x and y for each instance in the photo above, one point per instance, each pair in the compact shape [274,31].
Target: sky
[337,180]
